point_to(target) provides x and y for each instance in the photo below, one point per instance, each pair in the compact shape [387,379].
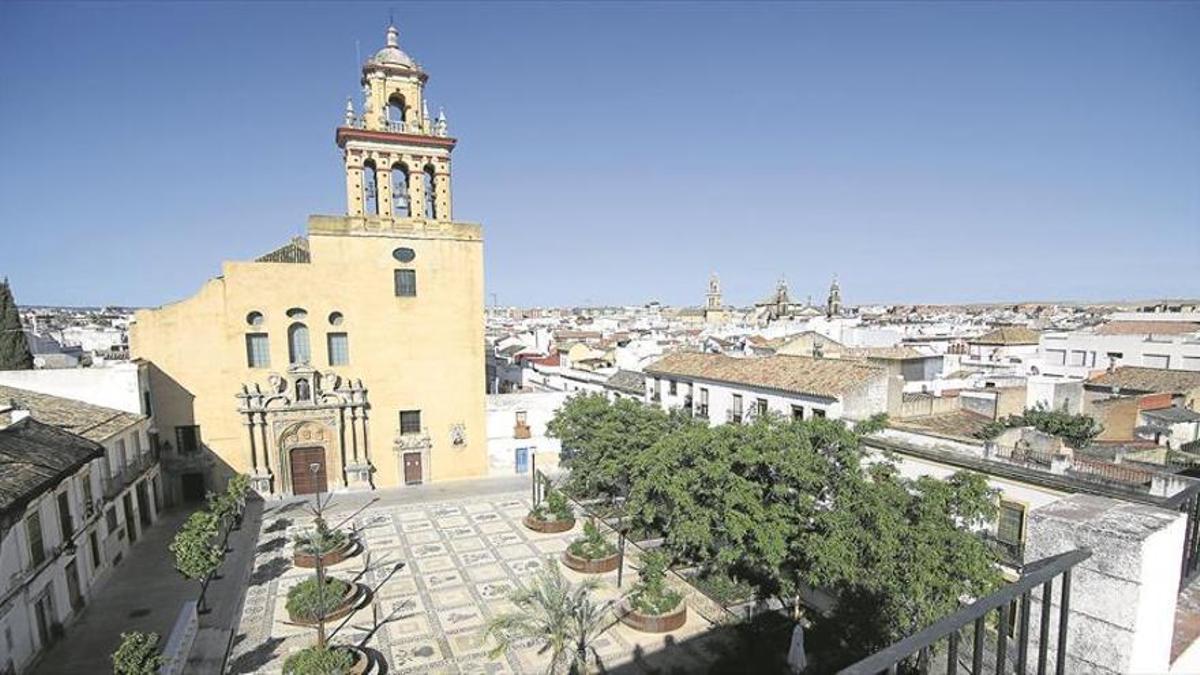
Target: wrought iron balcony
[733,417]
[700,410]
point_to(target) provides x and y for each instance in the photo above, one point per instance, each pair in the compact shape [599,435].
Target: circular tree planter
[654,623]
[590,566]
[362,660]
[337,555]
[345,607]
[549,526]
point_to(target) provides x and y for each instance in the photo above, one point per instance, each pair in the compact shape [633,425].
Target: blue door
[522,460]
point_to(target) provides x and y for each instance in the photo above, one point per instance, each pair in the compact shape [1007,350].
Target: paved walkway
[145,593]
[440,561]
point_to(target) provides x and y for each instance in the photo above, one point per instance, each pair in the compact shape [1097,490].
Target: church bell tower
[397,157]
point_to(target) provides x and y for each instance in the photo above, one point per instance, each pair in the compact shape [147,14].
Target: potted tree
[332,546]
[652,606]
[311,600]
[326,660]
[591,553]
[315,601]
[552,516]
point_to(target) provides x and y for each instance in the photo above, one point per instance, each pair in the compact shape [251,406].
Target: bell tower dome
[397,158]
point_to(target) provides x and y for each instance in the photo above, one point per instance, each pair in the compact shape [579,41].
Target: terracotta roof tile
[1007,335]
[830,378]
[93,422]
[1139,379]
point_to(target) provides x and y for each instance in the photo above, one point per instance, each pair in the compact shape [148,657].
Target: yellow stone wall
[421,353]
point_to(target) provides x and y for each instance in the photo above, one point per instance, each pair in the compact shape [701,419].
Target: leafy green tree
[600,437]
[198,554]
[14,348]
[1077,431]
[786,505]
[562,619]
[137,654]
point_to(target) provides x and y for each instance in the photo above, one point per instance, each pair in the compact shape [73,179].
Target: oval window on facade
[254,318]
[336,318]
[297,313]
[404,254]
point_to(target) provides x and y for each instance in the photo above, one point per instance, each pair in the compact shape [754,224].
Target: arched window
[400,205]
[370,189]
[298,350]
[430,198]
[396,113]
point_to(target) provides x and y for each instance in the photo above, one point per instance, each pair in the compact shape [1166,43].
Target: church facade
[349,358]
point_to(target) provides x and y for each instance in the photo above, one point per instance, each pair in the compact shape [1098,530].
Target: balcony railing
[733,416]
[1041,573]
[701,410]
[434,127]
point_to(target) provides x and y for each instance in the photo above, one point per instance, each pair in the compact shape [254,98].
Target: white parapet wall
[1123,598]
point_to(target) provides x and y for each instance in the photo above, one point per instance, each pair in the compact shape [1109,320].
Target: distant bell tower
[714,292]
[833,306]
[397,158]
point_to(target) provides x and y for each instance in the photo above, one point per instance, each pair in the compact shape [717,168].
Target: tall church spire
[397,158]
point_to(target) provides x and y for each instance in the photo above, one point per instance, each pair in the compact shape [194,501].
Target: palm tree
[562,618]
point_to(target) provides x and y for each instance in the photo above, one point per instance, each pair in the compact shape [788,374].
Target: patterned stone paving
[441,570]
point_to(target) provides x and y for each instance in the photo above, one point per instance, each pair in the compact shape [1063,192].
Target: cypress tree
[14,349]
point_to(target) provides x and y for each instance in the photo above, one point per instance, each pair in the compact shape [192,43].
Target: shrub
[322,540]
[555,507]
[319,661]
[651,595]
[309,602]
[137,654]
[556,503]
[592,545]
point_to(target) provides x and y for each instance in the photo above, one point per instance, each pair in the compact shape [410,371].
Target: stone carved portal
[306,409]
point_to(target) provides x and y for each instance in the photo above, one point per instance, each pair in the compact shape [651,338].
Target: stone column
[441,189]
[383,190]
[253,451]
[354,190]
[416,188]
[1122,606]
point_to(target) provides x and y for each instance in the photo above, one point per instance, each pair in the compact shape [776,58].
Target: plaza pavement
[441,559]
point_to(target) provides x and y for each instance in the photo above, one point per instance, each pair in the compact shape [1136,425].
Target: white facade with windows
[516,428]
[66,540]
[1079,354]
[685,381]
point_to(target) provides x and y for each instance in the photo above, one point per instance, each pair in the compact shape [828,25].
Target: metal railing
[733,417]
[1041,573]
[1188,501]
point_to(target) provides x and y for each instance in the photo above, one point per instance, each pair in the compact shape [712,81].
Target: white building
[79,486]
[516,428]
[726,389]
[1161,340]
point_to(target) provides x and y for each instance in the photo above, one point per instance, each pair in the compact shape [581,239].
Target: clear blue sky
[618,153]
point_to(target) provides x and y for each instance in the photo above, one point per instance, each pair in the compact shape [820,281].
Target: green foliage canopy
[317,660]
[787,505]
[197,553]
[137,654]
[600,438]
[1077,431]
